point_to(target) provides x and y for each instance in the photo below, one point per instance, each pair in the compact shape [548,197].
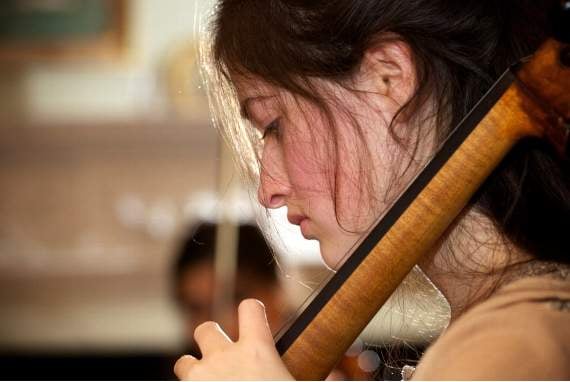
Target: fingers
[183,365]
[253,323]
[210,337]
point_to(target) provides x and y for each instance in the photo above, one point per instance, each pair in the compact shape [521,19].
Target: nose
[274,186]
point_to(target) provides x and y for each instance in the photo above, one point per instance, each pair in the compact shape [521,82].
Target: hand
[252,357]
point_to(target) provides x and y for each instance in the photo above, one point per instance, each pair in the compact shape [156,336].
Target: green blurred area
[25,20]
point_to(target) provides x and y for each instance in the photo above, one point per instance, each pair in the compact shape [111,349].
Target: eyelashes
[273,129]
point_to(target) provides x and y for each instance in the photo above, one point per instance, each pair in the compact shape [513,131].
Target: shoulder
[521,333]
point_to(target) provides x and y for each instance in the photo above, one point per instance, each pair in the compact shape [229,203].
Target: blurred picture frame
[62,30]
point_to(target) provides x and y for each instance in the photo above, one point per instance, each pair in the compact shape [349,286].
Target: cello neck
[314,343]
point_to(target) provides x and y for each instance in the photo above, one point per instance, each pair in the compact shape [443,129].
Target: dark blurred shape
[37,367]
[255,258]
[560,19]
[256,278]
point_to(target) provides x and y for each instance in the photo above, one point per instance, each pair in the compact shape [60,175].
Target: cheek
[325,175]
[369,163]
[359,182]
[307,181]
[307,164]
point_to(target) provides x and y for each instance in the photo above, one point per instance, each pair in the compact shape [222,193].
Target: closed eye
[271,129]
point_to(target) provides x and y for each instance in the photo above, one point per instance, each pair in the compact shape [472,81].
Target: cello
[531,99]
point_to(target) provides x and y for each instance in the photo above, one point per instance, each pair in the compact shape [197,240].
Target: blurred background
[108,162]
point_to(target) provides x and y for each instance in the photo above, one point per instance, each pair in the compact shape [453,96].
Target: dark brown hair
[459,48]
[255,258]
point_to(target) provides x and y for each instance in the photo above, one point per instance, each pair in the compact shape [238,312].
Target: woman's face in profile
[325,175]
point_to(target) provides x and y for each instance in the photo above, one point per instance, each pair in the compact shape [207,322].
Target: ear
[387,68]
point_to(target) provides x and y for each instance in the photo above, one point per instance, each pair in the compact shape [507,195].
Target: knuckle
[259,353]
[190,373]
[183,366]
[198,373]
[187,375]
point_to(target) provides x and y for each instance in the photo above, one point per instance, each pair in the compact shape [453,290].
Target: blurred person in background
[256,277]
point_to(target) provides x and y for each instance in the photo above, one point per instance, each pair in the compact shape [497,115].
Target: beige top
[522,332]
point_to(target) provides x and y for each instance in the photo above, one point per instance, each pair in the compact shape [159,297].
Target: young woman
[340,103]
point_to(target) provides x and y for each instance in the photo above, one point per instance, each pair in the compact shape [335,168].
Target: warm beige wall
[73,272]
[130,88]
[81,144]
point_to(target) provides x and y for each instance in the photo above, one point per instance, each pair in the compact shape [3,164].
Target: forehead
[258,97]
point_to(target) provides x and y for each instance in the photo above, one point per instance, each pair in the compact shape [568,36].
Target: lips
[296,219]
[305,231]
[303,222]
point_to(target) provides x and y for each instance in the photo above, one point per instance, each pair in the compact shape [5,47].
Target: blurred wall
[89,219]
[98,168]
[130,88]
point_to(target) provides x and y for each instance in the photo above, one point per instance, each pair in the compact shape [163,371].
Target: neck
[469,263]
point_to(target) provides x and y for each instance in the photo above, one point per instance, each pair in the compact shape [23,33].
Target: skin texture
[296,166]
[252,357]
[196,296]
[296,172]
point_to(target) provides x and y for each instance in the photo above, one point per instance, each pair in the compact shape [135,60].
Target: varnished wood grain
[343,318]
